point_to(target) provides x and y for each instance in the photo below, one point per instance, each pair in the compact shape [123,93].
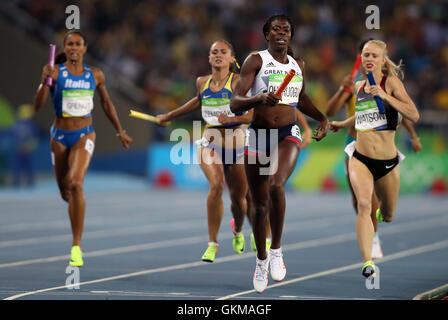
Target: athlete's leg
[354,201]
[387,188]
[362,182]
[375,206]
[212,167]
[78,162]
[284,160]
[60,165]
[259,190]
[236,181]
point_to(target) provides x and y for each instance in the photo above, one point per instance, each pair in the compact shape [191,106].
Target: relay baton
[147,117]
[354,70]
[378,100]
[51,62]
[284,84]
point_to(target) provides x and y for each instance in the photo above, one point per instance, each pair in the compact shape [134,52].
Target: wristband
[120,134]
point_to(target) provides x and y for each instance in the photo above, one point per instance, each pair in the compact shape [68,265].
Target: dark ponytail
[61,57]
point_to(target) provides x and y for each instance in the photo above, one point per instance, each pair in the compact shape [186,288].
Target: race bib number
[89,146]
[368,117]
[291,93]
[77,103]
[295,131]
[212,108]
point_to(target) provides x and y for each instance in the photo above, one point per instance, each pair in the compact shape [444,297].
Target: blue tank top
[72,95]
[215,103]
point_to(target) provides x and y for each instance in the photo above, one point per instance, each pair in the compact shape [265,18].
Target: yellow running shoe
[76,257]
[210,253]
[238,243]
[379,217]
[368,269]
[253,246]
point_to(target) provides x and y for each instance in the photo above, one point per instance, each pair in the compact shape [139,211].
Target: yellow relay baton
[147,117]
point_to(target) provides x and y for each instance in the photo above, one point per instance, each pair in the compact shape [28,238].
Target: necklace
[217,83]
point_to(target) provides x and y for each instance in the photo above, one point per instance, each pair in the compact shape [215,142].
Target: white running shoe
[276,264]
[377,252]
[261,275]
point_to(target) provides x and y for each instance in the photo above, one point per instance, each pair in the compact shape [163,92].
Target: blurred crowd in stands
[162,46]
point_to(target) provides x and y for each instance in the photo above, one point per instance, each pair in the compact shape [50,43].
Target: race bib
[291,93]
[368,117]
[212,108]
[77,103]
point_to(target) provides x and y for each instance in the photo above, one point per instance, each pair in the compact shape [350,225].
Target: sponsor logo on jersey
[77,84]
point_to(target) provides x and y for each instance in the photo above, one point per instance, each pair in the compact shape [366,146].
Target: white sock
[279,250]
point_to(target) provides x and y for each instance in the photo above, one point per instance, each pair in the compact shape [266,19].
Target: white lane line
[127,275]
[323,241]
[172,226]
[127,249]
[317,223]
[401,254]
[389,229]
[145,229]
[305,244]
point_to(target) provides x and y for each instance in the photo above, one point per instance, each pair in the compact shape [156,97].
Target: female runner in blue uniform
[72,135]
[220,151]
[374,158]
[274,140]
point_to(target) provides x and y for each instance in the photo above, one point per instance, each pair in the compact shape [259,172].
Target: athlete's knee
[216,187]
[75,186]
[387,214]
[64,191]
[238,201]
[364,206]
[65,195]
[276,189]
[261,208]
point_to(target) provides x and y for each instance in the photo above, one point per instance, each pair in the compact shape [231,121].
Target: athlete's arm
[398,99]
[191,105]
[336,125]
[306,136]
[42,92]
[340,97]
[109,108]
[240,102]
[245,118]
[416,145]
[307,107]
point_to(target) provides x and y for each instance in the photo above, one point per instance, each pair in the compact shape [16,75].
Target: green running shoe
[379,217]
[238,243]
[210,253]
[368,269]
[253,246]
[76,257]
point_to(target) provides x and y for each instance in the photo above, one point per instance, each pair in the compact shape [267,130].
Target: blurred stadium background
[152,51]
